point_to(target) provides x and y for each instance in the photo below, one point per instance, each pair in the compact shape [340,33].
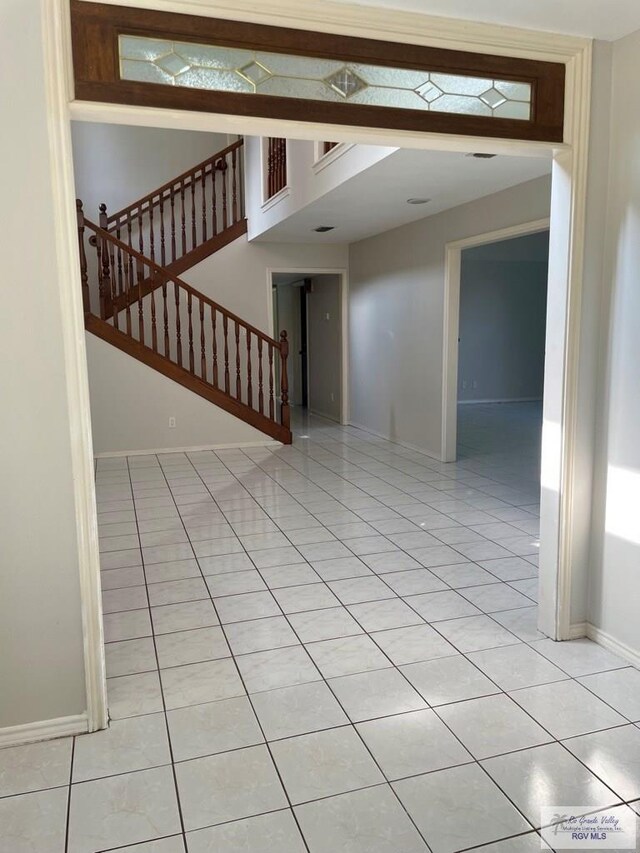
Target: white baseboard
[44,730]
[396,441]
[578,630]
[233,446]
[505,400]
[608,642]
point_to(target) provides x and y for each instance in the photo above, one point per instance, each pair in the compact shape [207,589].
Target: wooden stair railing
[181,332]
[188,218]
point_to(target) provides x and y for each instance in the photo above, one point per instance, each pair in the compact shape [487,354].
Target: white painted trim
[194,449]
[56,33]
[395,441]
[281,195]
[501,400]
[577,631]
[344,322]
[605,639]
[44,730]
[451,323]
[331,156]
[385,24]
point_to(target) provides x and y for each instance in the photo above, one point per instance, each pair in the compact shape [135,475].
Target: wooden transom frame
[96,29]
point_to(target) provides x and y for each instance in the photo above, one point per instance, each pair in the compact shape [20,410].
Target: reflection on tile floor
[329,647]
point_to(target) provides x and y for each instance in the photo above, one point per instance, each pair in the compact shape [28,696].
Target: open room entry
[311,306]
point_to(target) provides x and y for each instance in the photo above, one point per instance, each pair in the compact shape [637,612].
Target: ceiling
[376,200]
[608,20]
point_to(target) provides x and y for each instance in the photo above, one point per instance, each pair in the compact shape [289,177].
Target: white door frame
[344,323]
[451,322]
[568,205]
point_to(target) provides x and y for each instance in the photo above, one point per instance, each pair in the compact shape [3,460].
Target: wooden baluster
[176,292]
[270,169]
[113,284]
[140,234]
[224,194]
[190,314]
[214,201]
[194,237]
[167,348]
[101,289]
[238,380]
[234,186]
[271,403]
[203,352]
[140,277]
[249,384]
[151,234]
[163,254]
[285,415]
[204,204]
[183,223]
[214,346]
[84,274]
[260,378]
[154,330]
[106,277]
[120,280]
[128,274]
[225,329]
[173,225]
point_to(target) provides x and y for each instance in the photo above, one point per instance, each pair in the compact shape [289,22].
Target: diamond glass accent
[224,69]
[346,82]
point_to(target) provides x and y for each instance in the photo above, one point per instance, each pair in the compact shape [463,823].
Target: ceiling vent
[418,200]
[480,155]
[321,229]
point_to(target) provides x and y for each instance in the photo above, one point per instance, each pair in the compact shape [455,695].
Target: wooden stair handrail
[121,217]
[163,273]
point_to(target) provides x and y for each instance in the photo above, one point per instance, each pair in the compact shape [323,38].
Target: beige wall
[41,650]
[396,292]
[131,405]
[117,164]
[614,604]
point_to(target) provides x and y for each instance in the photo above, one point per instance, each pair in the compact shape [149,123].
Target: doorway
[309,305]
[501,348]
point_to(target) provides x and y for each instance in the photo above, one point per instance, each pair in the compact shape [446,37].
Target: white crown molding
[378,23]
[43,730]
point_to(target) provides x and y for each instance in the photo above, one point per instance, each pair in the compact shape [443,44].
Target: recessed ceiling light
[418,200]
[322,228]
[480,155]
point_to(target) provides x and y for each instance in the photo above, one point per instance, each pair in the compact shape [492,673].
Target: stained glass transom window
[226,69]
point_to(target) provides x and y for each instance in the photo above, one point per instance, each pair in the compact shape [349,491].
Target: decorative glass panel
[223,69]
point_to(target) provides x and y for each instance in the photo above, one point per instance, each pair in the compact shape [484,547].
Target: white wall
[614,605]
[131,405]
[309,176]
[117,164]
[503,300]
[396,286]
[325,345]
[41,657]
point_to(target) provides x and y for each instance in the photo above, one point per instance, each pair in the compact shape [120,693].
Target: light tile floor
[330,648]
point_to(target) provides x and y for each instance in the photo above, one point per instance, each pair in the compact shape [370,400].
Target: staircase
[134,299]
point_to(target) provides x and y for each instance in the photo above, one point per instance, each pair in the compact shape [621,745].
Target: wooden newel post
[104,269]
[84,275]
[285,417]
